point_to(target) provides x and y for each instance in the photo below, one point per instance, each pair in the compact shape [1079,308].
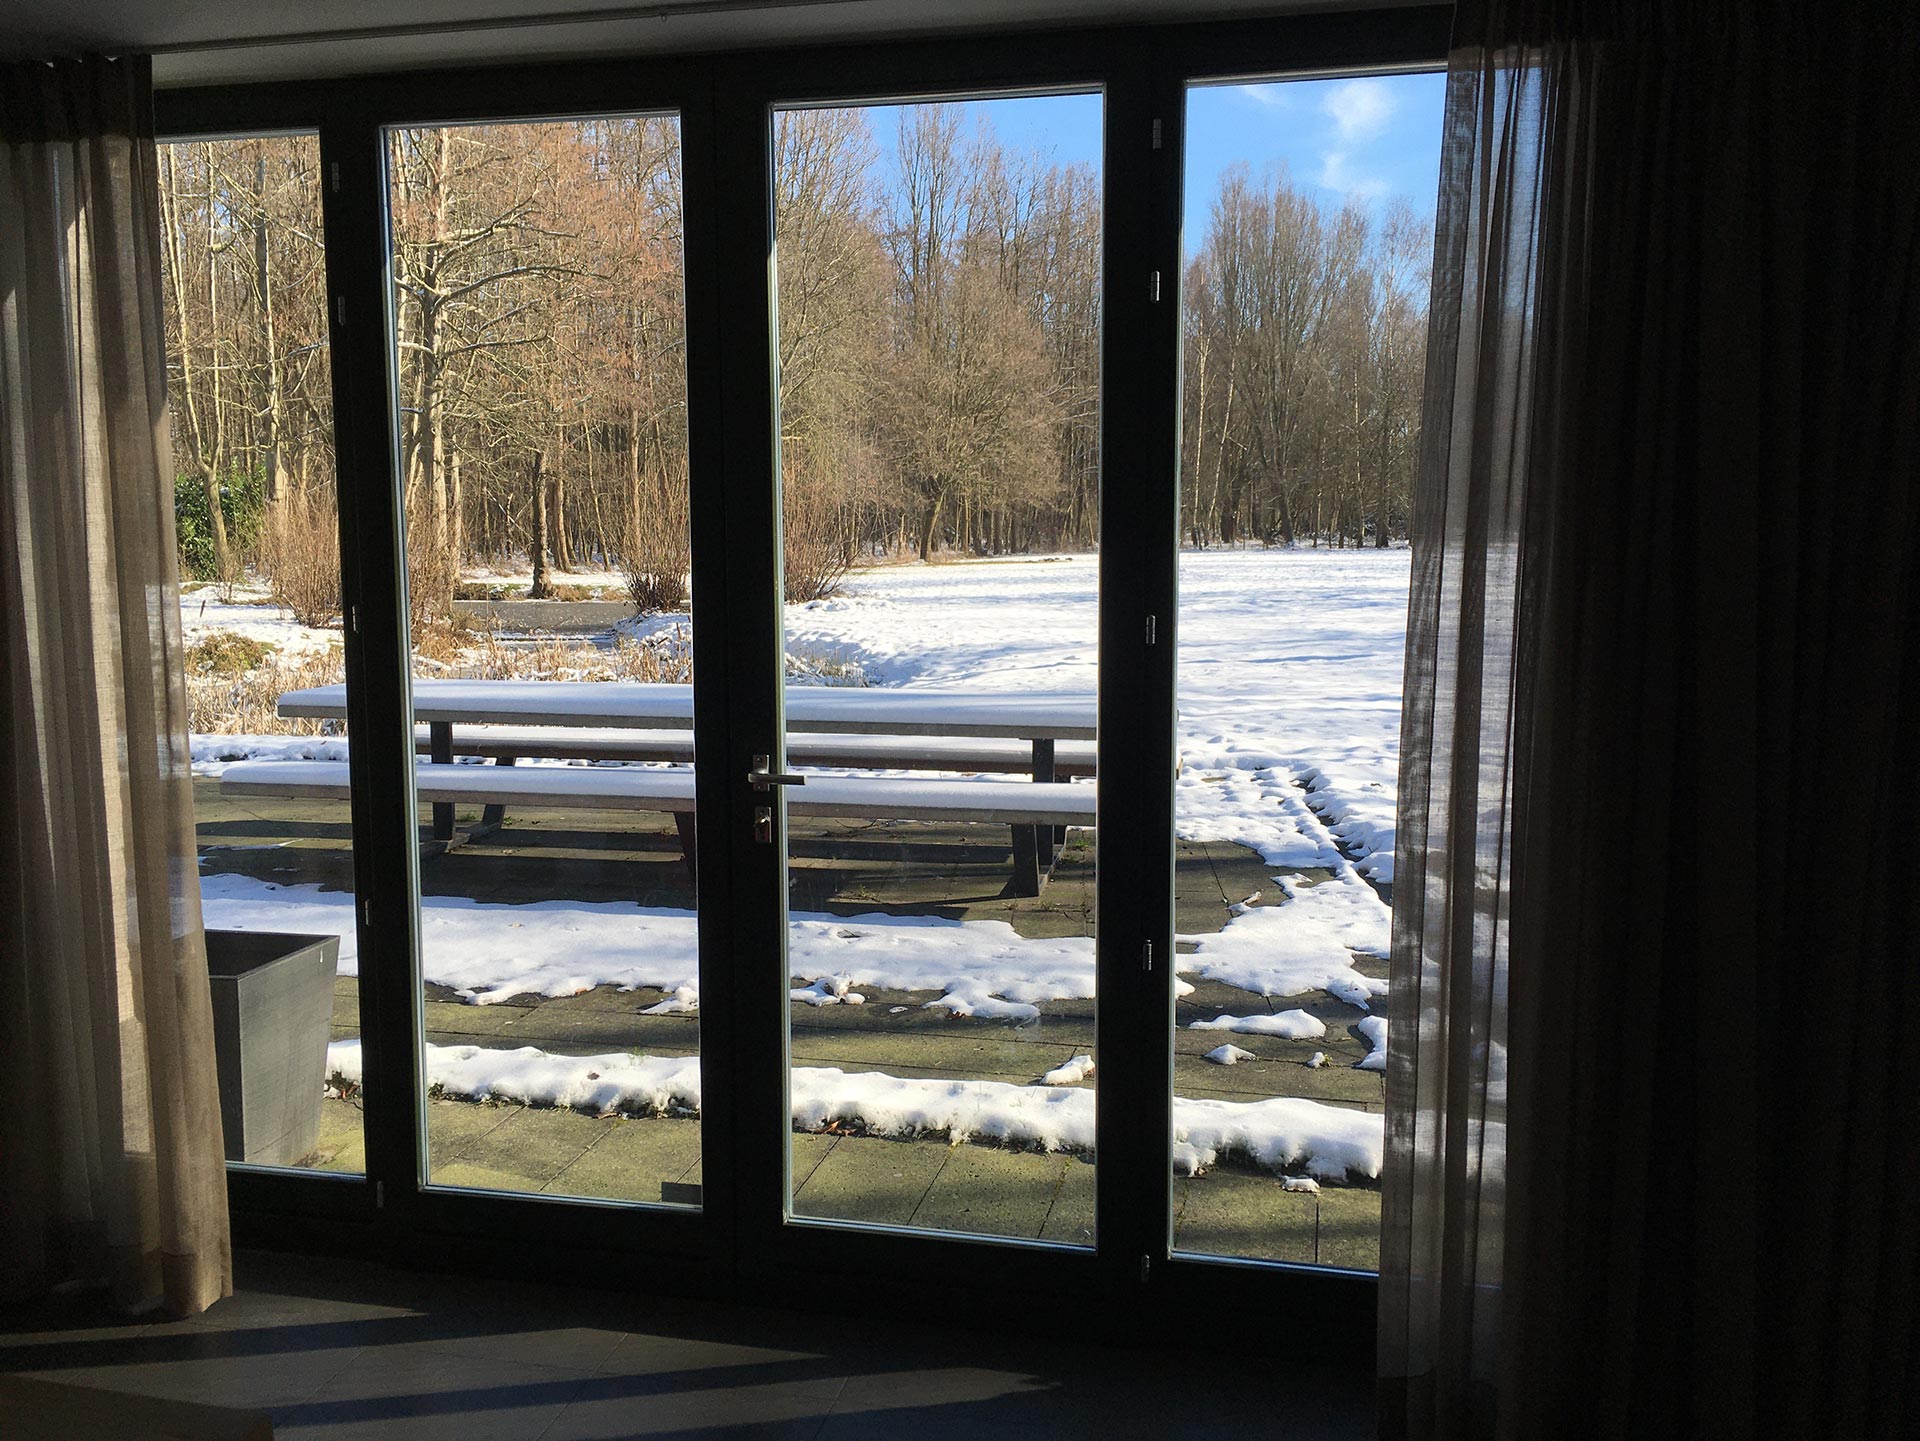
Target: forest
[938,337]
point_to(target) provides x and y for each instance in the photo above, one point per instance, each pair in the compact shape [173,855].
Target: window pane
[939,283]
[1309,227]
[542,414]
[255,506]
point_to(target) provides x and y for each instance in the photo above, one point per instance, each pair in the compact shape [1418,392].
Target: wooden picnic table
[1039,718]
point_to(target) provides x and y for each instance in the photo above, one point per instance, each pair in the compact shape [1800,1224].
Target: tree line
[938,347]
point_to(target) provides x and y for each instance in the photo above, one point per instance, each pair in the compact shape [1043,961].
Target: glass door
[256,510]
[938,338]
[1308,226]
[541,400]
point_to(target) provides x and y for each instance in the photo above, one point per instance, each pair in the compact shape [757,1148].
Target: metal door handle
[765,778]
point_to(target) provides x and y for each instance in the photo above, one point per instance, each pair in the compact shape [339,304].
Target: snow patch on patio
[1330,1142]
[489,952]
[1293,1025]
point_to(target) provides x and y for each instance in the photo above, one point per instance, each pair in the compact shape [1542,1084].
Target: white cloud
[1337,174]
[1360,109]
[1273,97]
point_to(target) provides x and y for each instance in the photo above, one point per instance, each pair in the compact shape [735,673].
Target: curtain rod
[661,10]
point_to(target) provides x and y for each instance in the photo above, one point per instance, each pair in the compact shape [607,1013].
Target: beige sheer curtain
[1443,1202]
[110,1146]
[1653,1140]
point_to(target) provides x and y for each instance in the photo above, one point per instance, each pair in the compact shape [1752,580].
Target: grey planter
[272,1012]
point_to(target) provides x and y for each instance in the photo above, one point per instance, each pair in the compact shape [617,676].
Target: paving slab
[632,1159]
[1227,1213]
[342,1143]
[455,1126]
[806,1150]
[1349,1228]
[1070,1220]
[869,1178]
[992,1191]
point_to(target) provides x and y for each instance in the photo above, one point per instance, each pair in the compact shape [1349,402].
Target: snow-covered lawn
[1290,667]
[1289,697]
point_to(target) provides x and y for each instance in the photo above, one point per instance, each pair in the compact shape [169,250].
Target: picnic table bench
[951,730]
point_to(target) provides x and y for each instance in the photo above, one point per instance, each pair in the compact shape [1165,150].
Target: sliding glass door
[938,335]
[539,353]
[1308,228]
[257,520]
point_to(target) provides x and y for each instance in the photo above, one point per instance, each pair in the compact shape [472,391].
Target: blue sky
[1365,137]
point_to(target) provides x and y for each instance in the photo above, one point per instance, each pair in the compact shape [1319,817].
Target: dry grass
[241,702]
[300,554]
[665,656]
[234,683]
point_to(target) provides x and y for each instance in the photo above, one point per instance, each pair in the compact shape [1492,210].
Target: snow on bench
[1031,808]
[870,752]
[1025,715]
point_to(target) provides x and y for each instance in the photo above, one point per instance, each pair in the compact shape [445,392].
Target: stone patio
[847,868]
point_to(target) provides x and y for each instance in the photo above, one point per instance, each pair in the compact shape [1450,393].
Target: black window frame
[739,1246]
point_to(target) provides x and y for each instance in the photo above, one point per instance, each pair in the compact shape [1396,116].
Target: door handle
[765,778]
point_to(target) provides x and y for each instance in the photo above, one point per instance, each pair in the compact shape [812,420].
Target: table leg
[440,753]
[1026,859]
[1044,769]
[493,817]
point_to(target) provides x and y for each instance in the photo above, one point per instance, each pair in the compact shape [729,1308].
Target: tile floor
[341,1350]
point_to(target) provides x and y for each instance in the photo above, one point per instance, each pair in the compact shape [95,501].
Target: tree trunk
[933,521]
[557,527]
[542,586]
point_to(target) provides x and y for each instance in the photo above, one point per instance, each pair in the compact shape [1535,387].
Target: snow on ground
[517,578]
[1305,944]
[251,613]
[1069,1073]
[1374,1030]
[1330,1142]
[1290,671]
[1294,1025]
[1229,1055]
[490,952]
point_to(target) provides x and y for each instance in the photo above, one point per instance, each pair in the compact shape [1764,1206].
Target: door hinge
[333,167]
[1153,286]
[353,619]
[366,913]
[1146,955]
[379,1195]
[1153,629]
[1156,139]
[340,309]
[1146,1268]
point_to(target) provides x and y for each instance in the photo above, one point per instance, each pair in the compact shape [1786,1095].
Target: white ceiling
[197,42]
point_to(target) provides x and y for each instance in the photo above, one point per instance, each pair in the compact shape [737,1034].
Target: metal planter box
[272,1012]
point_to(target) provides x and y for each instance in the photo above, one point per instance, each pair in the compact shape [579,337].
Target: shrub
[242,501]
[226,653]
[657,547]
[816,550]
[300,553]
[433,572]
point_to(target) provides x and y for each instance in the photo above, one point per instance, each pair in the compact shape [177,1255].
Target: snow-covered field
[1289,697]
[1290,666]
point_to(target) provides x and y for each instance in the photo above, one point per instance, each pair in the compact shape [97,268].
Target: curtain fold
[111,1165]
[1654,1147]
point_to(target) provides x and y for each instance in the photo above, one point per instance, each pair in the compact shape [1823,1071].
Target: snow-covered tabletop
[1023,715]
